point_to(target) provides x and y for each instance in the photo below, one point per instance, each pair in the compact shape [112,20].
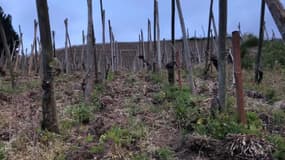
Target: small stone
[5,136]
[106,100]
[282,106]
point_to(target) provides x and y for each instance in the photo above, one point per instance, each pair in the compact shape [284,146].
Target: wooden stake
[158,37]
[238,77]
[67,65]
[187,55]
[49,121]
[222,53]
[171,80]
[258,71]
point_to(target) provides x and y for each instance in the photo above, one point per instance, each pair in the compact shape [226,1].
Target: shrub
[97,149]
[156,78]
[185,108]
[110,76]
[159,97]
[225,123]
[117,135]
[254,123]
[2,152]
[81,113]
[140,156]
[279,144]
[249,42]
[270,95]
[219,127]
[273,54]
[278,117]
[165,154]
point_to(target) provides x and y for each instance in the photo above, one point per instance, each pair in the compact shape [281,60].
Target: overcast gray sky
[129,16]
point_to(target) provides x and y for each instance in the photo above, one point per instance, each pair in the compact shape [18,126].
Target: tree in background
[8,53]
[11,35]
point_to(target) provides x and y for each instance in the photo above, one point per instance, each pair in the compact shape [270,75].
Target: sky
[128,17]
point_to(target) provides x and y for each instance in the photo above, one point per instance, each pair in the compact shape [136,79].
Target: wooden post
[89,79]
[197,49]
[238,76]
[104,60]
[172,79]
[67,65]
[278,13]
[117,55]
[187,55]
[36,64]
[111,45]
[53,43]
[266,31]
[258,71]
[49,121]
[158,37]
[16,63]
[207,57]
[21,46]
[149,57]
[114,51]
[164,56]
[83,55]
[143,49]
[222,53]
[139,52]
[178,69]
[154,55]
[31,59]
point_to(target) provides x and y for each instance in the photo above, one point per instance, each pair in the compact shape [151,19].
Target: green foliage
[249,42]
[140,156]
[273,54]
[97,149]
[225,123]
[89,138]
[124,136]
[137,129]
[254,123]
[98,90]
[156,78]
[66,124]
[278,117]
[46,137]
[133,109]
[110,76]
[2,152]
[159,97]
[219,127]
[5,86]
[81,113]
[270,95]
[117,135]
[165,154]
[185,108]
[279,143]
[11,35]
